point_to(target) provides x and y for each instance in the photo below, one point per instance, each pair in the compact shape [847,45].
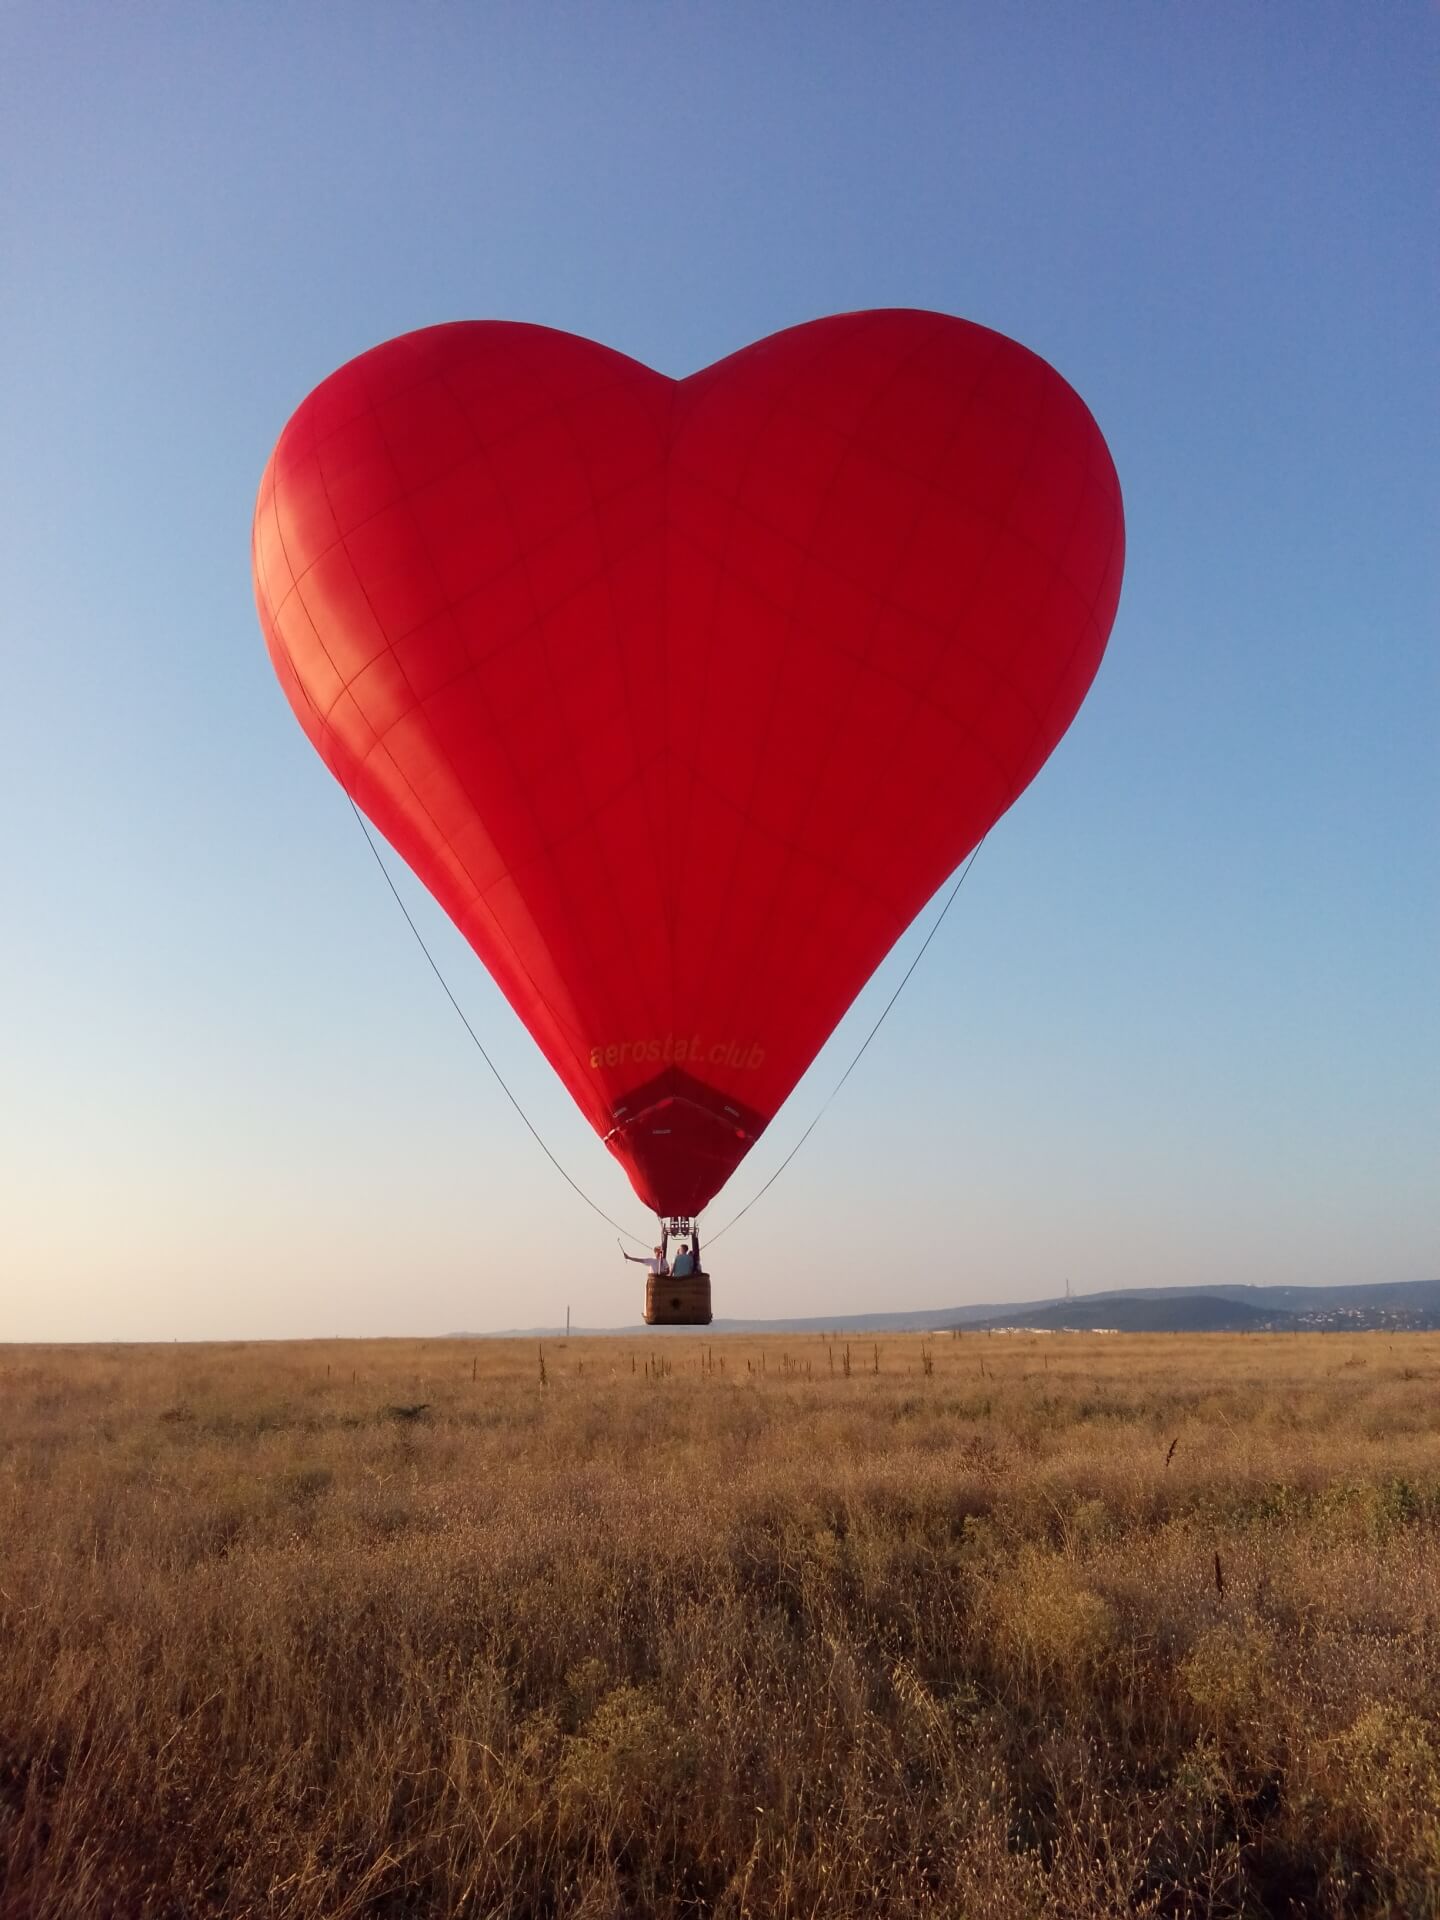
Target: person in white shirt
[656,1265]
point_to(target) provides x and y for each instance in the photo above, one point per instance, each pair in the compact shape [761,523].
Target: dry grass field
[1011,1627]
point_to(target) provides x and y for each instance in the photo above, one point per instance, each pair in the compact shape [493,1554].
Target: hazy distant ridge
[1224,1308]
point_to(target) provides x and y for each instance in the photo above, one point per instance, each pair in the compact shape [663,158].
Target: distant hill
[1187,1313]
[1223,1308]
[1411,1304]
[1422,1295]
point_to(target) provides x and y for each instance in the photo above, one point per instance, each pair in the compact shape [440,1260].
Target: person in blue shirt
[684,1262]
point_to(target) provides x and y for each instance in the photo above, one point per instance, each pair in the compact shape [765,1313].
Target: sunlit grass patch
[1010,1627]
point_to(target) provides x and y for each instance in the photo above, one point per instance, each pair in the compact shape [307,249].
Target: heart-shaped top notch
[682,697]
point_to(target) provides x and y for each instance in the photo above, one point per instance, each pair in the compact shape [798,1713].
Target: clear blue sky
[1181,1025]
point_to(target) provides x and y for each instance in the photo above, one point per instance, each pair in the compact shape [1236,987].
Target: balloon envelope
[682,697]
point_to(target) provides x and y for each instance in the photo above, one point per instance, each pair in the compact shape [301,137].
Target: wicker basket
[677,1303]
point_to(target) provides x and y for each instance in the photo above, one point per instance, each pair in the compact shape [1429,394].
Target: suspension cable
[711,1238]
[370,842]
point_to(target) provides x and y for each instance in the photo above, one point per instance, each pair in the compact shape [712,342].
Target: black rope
[711,1238]
[370,842]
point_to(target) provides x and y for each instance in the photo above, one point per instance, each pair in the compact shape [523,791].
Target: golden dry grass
[707,1627]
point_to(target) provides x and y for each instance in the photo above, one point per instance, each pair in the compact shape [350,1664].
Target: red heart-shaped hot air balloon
[682,697]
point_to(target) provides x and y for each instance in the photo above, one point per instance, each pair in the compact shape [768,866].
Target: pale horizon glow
[1181,1024]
